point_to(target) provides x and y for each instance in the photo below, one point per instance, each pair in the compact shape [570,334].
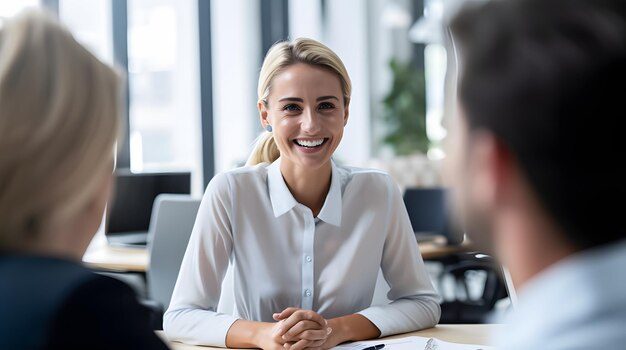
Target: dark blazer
[48,303]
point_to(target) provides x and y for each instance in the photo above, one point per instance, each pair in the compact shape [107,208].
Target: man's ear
[489,164]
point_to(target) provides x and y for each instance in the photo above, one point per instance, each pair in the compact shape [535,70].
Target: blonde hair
[280,56]
[59,119]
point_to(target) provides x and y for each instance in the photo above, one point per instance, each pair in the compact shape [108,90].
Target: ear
[263,115]
[490,171]
[346,112]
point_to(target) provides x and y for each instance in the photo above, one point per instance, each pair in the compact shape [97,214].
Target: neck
[69,242]
[309,187]
[530,244]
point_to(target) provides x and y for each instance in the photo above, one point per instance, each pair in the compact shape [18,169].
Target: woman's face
[307,113]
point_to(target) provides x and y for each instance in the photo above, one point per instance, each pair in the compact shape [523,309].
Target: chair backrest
[173,217]
[510,288]
[429,213]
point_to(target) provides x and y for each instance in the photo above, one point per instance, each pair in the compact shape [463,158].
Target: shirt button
[307,293]
[309,258]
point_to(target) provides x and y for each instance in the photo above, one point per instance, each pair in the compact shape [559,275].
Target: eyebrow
[295,99]
[298,99]
[321,98]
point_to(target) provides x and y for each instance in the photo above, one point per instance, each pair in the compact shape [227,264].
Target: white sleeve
[191,316]
[414,303]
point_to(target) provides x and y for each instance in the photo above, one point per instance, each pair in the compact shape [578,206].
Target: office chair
[464,309]
[171,223]
[173,218]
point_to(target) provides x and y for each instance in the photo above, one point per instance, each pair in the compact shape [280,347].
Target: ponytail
[265,150]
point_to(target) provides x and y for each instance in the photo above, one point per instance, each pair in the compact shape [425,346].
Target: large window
[11,8]
[163,70]
[90,23]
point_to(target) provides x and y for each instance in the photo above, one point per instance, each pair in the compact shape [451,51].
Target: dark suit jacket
[48,303]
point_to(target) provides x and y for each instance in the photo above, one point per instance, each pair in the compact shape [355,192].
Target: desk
[458,333]
[106,257]
[438,249]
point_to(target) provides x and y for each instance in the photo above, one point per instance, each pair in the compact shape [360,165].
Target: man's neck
[528,245]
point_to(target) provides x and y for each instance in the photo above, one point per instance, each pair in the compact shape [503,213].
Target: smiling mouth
[310,143]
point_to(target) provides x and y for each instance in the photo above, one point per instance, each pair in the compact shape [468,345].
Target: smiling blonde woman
[305,236]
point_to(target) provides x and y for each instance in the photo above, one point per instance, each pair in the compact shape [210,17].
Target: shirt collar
[283,201]
[280,196]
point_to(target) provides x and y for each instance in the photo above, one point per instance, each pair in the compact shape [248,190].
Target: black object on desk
[429,213]
[128,217]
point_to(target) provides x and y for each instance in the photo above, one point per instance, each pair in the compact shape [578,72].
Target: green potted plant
[405,110]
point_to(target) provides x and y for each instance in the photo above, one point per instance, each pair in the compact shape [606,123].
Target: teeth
[311,143]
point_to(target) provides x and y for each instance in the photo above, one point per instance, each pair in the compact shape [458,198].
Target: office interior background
[192,68]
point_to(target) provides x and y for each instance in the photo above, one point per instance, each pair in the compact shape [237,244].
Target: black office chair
[464,308]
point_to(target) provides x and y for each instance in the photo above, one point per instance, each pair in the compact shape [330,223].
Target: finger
[302,315]
[316,344]
[300,344]
[321,334]
[315,348]
[301,327]
[285,313]
[306,330]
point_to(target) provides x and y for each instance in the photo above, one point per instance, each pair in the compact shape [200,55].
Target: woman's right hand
[302,329]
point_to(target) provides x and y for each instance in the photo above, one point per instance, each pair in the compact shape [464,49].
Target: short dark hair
[547,78]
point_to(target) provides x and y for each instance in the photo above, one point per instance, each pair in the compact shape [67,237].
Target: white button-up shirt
[283,257]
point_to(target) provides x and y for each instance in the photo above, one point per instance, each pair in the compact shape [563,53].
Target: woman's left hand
[303,329]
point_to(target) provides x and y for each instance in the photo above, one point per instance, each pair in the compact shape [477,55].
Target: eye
[326,105]
[291,108]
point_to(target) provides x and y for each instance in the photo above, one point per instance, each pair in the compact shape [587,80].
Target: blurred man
[536,163]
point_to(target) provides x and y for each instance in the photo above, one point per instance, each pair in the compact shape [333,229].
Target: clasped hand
[298,329]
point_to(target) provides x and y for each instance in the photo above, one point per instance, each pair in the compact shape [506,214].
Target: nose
[310,123]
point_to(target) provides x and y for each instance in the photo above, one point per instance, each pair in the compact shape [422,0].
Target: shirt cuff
[222,328]
[207,330]
[379,318]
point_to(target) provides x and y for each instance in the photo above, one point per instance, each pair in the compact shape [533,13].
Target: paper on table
[443,345]
[412,343]
[407,343]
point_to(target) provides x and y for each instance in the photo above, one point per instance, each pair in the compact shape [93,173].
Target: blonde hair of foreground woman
[281,56]
[58,125]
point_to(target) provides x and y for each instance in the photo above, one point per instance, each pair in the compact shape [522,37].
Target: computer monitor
[128,215]
[429,213]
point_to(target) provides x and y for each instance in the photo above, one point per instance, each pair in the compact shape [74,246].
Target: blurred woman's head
[58,126]
[304,92]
